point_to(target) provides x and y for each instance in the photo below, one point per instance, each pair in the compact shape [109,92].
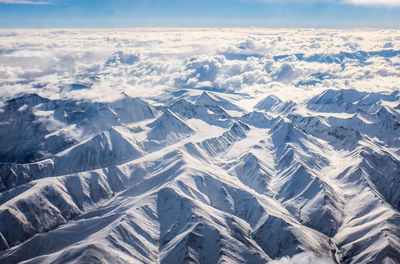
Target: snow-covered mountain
[212,145]
[198,179]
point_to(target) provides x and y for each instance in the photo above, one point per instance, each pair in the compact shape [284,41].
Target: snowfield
[200,146]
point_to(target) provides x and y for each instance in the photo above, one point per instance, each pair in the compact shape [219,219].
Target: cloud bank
[100,64]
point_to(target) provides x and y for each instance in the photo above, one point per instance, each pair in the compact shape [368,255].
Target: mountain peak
[208,99]
[268,103]
[169,127]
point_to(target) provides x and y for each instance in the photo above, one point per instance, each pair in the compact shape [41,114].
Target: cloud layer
[100,64]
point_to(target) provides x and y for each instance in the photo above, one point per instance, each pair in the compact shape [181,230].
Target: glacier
[238,155]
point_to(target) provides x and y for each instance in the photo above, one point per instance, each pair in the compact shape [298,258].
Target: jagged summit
[268,103]
[184,108]
[210,99]
[274,105]
[132,109]
[338,97]
[30,99]
[348,101]
[258,119]
[168,127]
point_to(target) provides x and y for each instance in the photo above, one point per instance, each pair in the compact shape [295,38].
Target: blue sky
[200,13]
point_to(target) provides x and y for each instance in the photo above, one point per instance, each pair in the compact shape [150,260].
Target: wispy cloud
[389,3]
[375,2]
[25,2]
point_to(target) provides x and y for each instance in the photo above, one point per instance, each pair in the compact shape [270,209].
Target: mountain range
[199,179]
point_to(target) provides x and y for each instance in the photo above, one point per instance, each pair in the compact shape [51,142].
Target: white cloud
[375,2]
[390,3]
[149,62]
[25,2]
[302,258]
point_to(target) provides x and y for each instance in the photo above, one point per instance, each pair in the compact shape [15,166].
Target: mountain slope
[200,180]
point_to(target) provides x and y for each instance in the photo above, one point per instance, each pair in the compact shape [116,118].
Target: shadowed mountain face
[200,180]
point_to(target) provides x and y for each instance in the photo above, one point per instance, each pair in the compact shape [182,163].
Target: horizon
[203,28]
[319,14]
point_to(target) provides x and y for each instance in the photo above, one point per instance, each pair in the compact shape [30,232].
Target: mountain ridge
[201,180]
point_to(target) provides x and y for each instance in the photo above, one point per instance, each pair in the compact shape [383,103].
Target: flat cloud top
[98,64]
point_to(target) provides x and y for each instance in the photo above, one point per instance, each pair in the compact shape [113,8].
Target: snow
[199,146]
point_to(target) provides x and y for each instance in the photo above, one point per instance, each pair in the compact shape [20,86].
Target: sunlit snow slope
[195,173]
